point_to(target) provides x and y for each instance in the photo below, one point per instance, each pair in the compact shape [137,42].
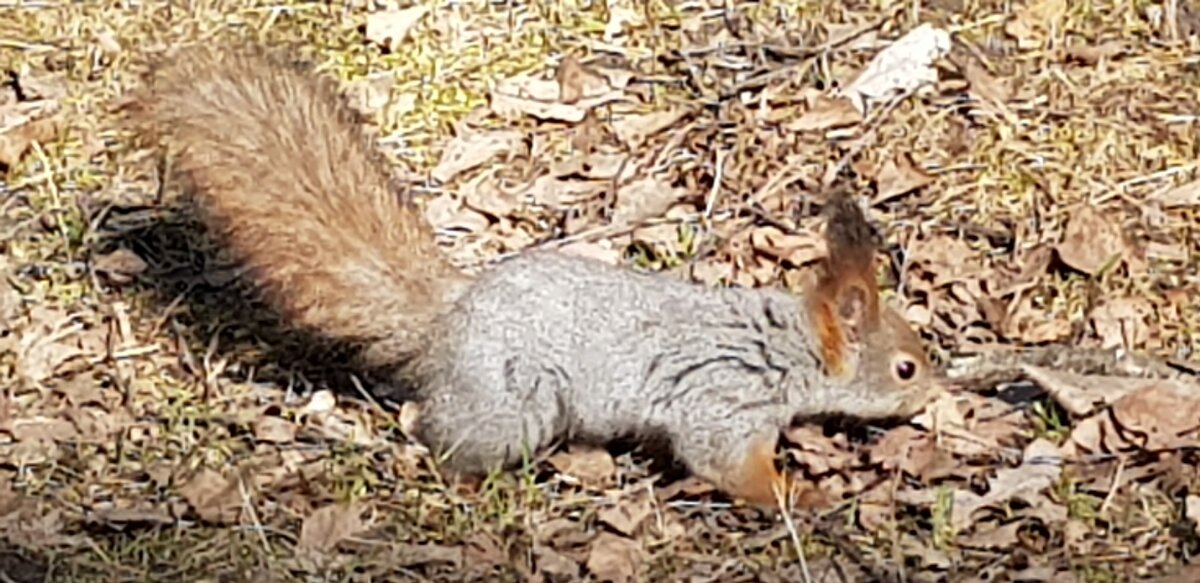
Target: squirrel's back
[283,170]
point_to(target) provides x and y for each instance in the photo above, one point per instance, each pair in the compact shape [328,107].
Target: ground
[1038,189]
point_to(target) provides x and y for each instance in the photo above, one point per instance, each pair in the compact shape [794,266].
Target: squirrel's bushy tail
[282,169]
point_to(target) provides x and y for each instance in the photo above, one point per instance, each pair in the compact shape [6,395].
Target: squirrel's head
[868,351]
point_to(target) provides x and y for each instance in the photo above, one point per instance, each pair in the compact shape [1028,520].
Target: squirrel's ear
[854,306]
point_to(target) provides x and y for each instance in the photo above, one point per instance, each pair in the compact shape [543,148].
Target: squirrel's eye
[906,369]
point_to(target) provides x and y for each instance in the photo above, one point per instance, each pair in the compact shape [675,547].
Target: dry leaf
[321,402]
[575,81]
[1091,54]
[643,199]
[1090,242]
[556,193]
[816,453]
[552,562]
[410,415]
[634,130]
[826,113]
[1162,415]
[1079,394]
[903,67]
[46,346]
[326,527]
[798,249]
[120,266]
[947,259]
[406,555]
[993,537]
[599,251]
[591,465]
[483,194]
[1187,194]
[532,96]
[1121,323]
[447,212]
[22,125]
[1032,25]
[626,515]
[214,497]
[1039,470]
[984,85]
[389,28]
[39,428]
[899,176]
[914,452]
[614,558]
[272,429]
[469,150]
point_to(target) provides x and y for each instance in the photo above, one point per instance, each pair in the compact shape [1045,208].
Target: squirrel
[538,349]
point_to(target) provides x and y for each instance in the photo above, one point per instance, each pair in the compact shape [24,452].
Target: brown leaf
[575,81]
[614,558]
[915,453]
[447,212]
[23,124]
[1040,469]
[539,98]
[552,562]
[947,259]
[1187,194]
[1121,322]
[899,176]
[1079,394]
[1090,242]
[272,429]
[626,515]
[410,414]
[39,428]
[483,194]
[468,150]
[557,194]
[329,525]
[1034,325]
[593,250]
[826,113]
[41,86]
[797,249]
[120,266]
[987,87]
[634,130]
[1032,24]
[591,465]
[52,340]
[1163,415]
[594,166]
[389,28]
[993,537]
[214,497]
[1090,54]
[812,450]
[406,555]
[643,199]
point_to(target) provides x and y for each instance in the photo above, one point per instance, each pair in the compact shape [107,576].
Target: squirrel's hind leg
[481,423]
[735,453]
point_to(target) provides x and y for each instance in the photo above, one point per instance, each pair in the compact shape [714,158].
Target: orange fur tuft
[758,481]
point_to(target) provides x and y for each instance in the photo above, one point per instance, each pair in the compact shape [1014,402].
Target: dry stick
[985,370]
[810,56]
